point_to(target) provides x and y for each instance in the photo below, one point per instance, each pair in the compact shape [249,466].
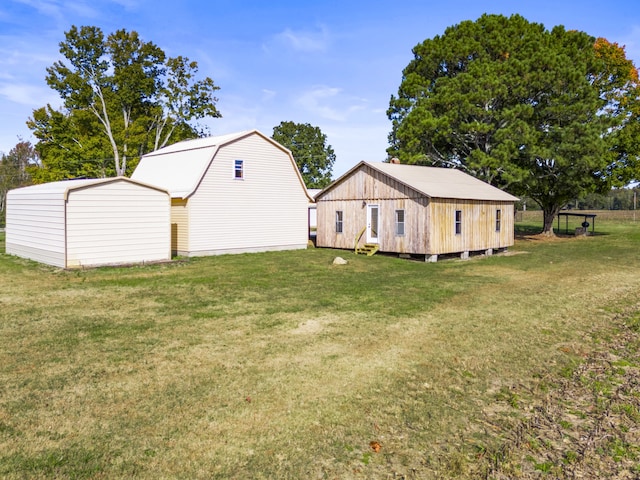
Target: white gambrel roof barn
[82,223]
[233,193]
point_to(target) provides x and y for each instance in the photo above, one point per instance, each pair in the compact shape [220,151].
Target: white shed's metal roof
[63,187]
[436,182]
[180,167]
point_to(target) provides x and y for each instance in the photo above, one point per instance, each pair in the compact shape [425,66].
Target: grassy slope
[281,365]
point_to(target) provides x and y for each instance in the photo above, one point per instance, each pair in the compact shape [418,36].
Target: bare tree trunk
[104,119]
[160,127]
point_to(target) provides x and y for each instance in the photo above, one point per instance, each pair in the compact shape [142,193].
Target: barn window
[498,219]
[458,222]
[399,222]
[238,170]
[338,221]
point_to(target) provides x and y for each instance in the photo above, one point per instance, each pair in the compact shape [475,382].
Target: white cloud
[48,8]
[18,57]
[82,8]
[128,4]
[61,11]
[29,95]
[329,103]
[303,41]
[268,94]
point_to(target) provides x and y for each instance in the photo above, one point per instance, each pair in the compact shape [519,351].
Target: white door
[372,223]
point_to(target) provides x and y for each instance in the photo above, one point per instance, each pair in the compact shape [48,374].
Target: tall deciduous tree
[526,109]
[137,98]
[315,158]
[71,145]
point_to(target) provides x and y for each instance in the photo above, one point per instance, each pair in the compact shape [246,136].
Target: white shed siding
[117,222]
[266,210]
[35,225]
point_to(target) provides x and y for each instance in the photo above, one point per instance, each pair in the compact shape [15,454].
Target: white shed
[78,223]
[233,193]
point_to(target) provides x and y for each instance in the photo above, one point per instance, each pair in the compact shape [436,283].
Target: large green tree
[122,98]
[14,171]
[534,111]
[314,156]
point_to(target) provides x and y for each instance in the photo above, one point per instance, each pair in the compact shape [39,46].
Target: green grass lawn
[282,365]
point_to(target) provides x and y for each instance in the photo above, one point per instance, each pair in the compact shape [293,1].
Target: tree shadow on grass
[527,230]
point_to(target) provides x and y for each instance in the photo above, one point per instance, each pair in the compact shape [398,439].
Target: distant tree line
[615,199]
[15,172]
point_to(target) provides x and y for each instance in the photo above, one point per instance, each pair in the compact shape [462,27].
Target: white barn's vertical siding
[118,222]
[35,225]
[265,210]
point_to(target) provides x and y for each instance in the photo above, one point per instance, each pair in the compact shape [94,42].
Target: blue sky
[333,64]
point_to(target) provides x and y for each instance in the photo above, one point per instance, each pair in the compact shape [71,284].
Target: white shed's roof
[436,182]
[63,187]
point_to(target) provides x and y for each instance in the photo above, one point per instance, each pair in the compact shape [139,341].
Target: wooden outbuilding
[414,210]
[233,193]
[88,223]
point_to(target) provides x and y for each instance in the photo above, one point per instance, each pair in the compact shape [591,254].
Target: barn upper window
[400,222]
[458,222]
[498,219]
[238,172]
[338,221]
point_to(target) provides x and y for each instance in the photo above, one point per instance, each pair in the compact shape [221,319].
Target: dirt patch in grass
[584,423]
[556,237]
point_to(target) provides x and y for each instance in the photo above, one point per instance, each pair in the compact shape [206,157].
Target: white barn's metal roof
[180,167]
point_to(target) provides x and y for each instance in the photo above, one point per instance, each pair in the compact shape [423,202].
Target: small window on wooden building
[458,222]
[498,219]
[399,222]
[238,170]
[338,221]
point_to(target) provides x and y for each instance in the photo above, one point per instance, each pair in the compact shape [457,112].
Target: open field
[282,365]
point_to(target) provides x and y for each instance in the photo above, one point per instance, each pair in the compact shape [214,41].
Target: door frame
[370,237]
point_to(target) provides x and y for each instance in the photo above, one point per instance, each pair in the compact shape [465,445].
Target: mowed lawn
[282,365]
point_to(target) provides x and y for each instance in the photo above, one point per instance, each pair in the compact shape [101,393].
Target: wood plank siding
[429,226]
[478,228]
[368,187]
